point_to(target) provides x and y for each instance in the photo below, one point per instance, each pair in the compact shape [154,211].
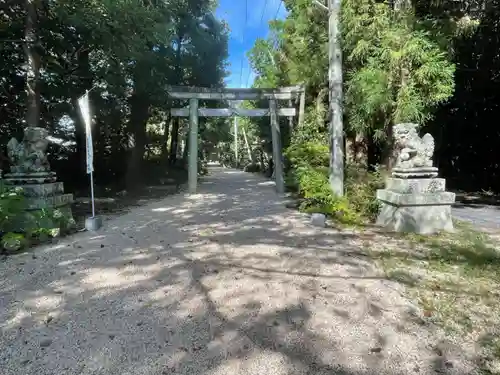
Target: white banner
[84,105]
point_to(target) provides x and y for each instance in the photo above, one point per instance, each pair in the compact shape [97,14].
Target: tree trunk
[401,5]
[388,154]
[174,140]
[356,150]
[335,82]
[33,65]
[139,115]
[249,149]
[185,151]
[164,143]
[372,152]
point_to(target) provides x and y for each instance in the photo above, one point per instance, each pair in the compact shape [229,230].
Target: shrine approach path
[227,281]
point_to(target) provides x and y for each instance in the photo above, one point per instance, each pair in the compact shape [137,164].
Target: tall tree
[31,47]
[124,52]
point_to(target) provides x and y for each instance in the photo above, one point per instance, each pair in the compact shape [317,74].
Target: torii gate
[194,94]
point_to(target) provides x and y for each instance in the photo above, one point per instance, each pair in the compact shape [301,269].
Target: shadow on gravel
[222,283]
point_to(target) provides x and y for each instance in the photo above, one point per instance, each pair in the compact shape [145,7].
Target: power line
[244,29]
[268,31]
[263,12]
[260,23]
[276,15]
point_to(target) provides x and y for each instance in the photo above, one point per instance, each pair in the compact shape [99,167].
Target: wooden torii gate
[195,94]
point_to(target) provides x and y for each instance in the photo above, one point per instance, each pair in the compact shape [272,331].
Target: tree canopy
[124,52]
[422,62]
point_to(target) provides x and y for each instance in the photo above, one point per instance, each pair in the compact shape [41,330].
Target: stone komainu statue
[29,156]
[412,150]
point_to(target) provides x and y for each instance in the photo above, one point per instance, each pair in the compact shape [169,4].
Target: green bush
[308,175]
[313,153]
[318,197]
[291,181]
[361,188]
[19,227]
[13,241]
[12,208]
[52,222]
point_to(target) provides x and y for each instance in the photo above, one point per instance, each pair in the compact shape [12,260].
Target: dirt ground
[227,281]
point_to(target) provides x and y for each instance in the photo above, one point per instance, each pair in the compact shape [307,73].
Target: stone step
[19,179]
[42,190]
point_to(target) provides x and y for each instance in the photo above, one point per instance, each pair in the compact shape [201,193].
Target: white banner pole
[84,105]
[92,192]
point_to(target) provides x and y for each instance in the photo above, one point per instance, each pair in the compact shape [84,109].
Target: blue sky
[243,35]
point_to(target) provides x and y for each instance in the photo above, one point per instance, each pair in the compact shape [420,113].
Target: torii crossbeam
[194,94]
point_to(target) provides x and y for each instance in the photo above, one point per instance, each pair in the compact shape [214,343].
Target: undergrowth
[20,227]
[455,278]
[308,176]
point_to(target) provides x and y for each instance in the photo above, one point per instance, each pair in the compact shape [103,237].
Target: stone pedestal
[47,205]
[43,192]
[415,201]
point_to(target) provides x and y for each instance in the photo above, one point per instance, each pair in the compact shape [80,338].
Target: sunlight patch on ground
[233,172]
[267,183]
[111,278]
[16,320]
[162,209]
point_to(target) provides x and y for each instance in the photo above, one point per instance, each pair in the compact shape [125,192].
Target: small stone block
[318,220]
[93,223]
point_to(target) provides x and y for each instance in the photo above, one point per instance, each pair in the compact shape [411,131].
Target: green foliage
[12,206]
[395,71]
[361,187]
[396,68]
[318,197]
[19,227]
[41,234]
[309,173]
[125,52]
[12,216]
[13,241]
[300,44]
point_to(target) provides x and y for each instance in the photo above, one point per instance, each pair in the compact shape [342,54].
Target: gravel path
[482,216]
[227,281]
